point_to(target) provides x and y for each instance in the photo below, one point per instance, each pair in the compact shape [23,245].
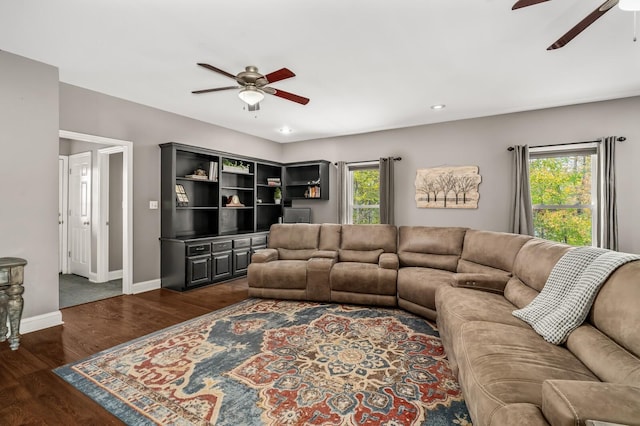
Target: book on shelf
[273,181]
[213,171]
[181,196]
[312,192]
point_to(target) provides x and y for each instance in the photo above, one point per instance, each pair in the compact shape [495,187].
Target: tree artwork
[448,187]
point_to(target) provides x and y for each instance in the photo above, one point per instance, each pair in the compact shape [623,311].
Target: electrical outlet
[153,205]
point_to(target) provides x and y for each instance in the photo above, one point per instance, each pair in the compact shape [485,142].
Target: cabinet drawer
[260,240]
[221,246]
[241,242]
[196,249]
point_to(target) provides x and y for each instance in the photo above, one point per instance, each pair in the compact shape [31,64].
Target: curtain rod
[370,161]
[619,139]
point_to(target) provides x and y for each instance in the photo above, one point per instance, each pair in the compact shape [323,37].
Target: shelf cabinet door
[241,259]
[222,265]
[198,270]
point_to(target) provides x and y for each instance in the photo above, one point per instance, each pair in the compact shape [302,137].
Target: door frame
[127,200]
[64,215]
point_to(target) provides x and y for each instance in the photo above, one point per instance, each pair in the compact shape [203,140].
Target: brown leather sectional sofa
[470,281]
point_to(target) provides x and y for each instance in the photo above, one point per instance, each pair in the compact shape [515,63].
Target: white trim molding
[39,322]
[127,204]
[146,286]
[115,275]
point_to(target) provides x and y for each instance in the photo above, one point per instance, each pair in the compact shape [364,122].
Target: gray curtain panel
[522,221]
[607,211]
[387,198]
[343,192]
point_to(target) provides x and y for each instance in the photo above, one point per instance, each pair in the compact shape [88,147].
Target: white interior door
[63,167]
[80,214]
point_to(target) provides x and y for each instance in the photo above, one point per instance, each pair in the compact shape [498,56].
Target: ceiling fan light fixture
[629,5]
[251,95]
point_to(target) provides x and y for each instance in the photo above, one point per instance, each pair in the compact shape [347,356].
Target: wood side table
[11,301]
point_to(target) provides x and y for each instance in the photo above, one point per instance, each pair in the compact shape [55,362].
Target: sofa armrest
[568,402]
[325,254]
[492,283]
[389,261]
[264,256]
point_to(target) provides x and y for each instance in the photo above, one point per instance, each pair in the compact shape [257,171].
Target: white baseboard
[145,286]
[39,322]
[115,275]
[93,277]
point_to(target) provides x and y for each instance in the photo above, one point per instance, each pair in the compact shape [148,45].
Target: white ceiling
[366,65]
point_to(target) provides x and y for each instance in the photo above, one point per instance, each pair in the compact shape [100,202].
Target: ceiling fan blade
[281,74]
[582,25]
[289,96]
[218,70]
[217,89]
[524,3]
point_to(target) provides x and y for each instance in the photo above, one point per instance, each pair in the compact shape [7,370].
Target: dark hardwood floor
[31,394]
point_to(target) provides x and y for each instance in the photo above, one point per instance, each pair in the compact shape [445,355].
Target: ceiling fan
[253,85]
[629,5]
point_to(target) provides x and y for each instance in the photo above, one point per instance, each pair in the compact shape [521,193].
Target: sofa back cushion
[536,259]
[613,350]
[430,247]
[489,252]
[330,235]
[294,241]
[367,240]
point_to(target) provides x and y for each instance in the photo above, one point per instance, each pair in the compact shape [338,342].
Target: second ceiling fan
[253,85]
[580,26]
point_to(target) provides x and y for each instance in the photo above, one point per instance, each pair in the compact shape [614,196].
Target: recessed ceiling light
[437,107]
[285,130]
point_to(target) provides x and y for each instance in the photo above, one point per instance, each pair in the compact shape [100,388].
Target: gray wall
[93,113]
[483,142]
[29,176]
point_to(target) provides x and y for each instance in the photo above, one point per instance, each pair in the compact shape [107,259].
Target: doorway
[96,255]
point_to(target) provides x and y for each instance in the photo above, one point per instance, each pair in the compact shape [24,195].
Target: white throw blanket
[566,298]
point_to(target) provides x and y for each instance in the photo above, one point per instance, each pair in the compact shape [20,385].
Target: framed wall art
[448,187]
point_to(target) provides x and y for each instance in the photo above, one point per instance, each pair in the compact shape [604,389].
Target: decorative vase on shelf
[277,195]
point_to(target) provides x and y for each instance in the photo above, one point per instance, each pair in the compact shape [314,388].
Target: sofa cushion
[296,236]
[330,235]
[369,237]
[457,306]
[570,402]
[283,274]
[615,311]
[419,285]
[363,256]
[496,250]
[536,259]
[363,278]
[286,254]
[430,247]
[504,364]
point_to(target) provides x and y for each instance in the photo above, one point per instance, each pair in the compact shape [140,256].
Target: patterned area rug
[279,363]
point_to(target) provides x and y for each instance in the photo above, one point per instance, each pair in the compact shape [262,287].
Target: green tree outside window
[561,194]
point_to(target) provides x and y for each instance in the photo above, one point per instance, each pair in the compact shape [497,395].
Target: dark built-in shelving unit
[204,238]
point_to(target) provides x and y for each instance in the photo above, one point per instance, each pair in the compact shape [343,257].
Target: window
[364,193]
[564,194]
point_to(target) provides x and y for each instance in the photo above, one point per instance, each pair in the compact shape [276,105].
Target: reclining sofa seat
[367,267]
[280,271]
[510,375]
[428,259]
